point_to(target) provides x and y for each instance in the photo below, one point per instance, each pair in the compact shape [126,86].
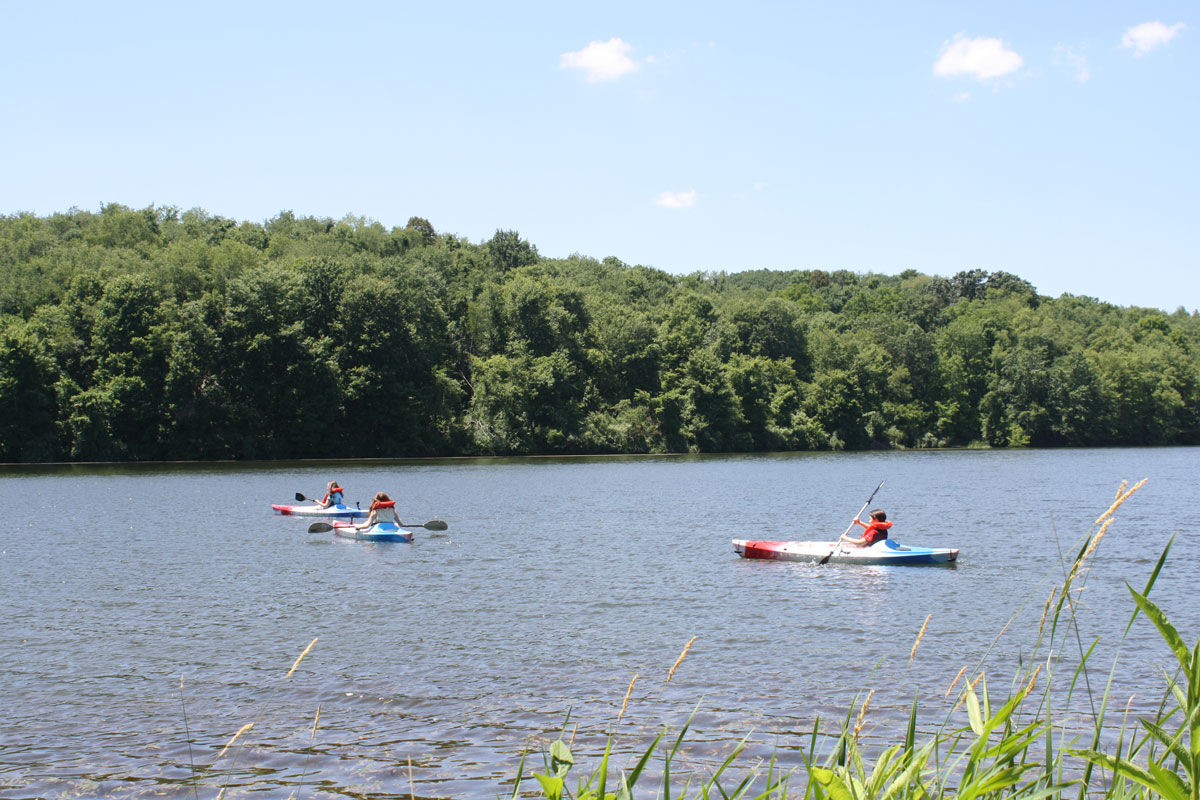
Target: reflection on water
[559,579]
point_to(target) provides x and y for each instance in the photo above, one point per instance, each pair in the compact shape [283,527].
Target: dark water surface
[558,580]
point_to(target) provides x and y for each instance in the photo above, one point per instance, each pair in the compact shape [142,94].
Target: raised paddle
[834,546]
[432,525]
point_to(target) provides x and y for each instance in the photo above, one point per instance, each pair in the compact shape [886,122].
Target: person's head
[382,498]
[332,485]
[878,515]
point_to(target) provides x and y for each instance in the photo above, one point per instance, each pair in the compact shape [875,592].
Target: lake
[439,662]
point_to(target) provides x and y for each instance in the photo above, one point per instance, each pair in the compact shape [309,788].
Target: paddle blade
[435,525]
[320,527]
[299,498]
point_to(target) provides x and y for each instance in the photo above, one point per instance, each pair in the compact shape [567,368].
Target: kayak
[339,510]
[882,552]
[379,532]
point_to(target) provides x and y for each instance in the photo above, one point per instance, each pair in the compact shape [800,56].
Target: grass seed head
[229,744]
[920,635]
[1121,498]
[301,658]
[862,714]
[679,660]
[1046,609]
[628,692]
[954,682]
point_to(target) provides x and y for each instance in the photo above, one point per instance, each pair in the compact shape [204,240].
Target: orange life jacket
[876,531]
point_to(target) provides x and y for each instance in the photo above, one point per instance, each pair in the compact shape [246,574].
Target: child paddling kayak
[874,531]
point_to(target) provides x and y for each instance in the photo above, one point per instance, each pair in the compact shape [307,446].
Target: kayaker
[383,509]
[333,495]
[875,531]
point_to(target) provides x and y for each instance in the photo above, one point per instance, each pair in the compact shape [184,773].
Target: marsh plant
[988,746]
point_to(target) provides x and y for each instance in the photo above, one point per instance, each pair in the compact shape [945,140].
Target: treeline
[154,334]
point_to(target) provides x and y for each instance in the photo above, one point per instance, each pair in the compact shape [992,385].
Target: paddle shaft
[864,507]
[301,498]
[433,525]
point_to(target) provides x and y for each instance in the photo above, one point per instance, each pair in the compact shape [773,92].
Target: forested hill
[155,334]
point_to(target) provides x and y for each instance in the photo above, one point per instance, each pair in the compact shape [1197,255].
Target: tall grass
[221,778]
[989,745]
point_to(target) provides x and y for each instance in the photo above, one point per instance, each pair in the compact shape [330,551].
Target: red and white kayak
[339,510]
[882,552]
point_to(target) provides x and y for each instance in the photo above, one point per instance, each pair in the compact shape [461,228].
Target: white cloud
[961,97]
[981,58]
[1149,36]
[1066,53]
[601,61]
[677,199]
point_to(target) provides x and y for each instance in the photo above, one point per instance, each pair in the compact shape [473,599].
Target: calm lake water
[438,662]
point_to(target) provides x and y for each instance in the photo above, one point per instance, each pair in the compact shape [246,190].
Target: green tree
[508,251]
[28,401]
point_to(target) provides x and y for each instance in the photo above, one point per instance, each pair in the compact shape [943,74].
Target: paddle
[301,498]
[433,525]
[828,555]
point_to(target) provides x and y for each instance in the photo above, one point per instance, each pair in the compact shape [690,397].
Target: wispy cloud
[601,61]
[1150,36]
[1065,54]
[677,199]
[982,58]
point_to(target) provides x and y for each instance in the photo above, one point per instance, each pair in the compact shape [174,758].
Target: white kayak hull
[340,510]
[884,552]
[380,532]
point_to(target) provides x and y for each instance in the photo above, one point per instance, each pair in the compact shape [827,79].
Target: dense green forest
[134,334]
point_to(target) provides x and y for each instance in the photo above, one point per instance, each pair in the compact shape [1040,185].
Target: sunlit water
[439,662]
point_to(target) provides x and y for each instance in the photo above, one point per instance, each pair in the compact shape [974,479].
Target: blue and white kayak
[339,510]
[379,532]
[882,552]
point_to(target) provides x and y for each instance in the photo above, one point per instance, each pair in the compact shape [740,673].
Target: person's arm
[846,537]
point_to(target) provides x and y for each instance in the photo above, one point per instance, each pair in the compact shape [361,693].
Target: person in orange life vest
[876,530]
[383,509]
[333,495]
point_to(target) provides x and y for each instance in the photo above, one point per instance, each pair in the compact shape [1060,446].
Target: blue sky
[1054,141]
